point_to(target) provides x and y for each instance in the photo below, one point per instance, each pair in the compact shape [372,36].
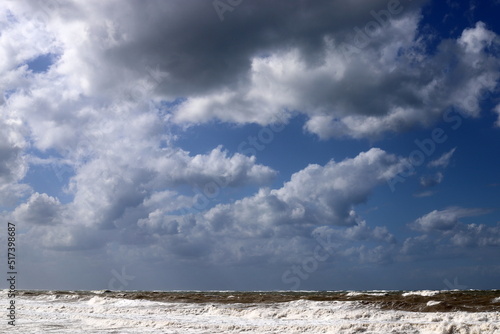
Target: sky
[251,145]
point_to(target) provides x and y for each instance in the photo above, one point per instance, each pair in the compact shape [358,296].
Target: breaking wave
[373,312]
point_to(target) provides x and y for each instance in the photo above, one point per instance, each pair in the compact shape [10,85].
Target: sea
[339,312]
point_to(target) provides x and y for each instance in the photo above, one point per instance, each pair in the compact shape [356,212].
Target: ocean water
[339,312]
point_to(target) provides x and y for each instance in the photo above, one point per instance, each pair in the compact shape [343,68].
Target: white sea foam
[366,293]
[425,293]
[433,302]
[101,314]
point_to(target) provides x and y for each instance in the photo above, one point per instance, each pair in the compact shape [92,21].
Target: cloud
[209,53]
[431,180]
[206,168]
[13,162]
[105,117]
[444,160]
[260,226]
[497,110]
[474,40]
[272,70]
[323,195]
[112,192]
[388,95]
[424,194]
[445,237]
[40,209]
[444,220]
[477,235]
[359,243]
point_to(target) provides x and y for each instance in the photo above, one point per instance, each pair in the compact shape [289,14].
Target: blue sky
[213,145]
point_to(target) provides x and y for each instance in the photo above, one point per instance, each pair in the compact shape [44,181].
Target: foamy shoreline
[96,312]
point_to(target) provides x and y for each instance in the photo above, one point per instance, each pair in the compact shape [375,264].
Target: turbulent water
[369,312]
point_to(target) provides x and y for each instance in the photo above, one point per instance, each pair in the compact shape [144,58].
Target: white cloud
[444,160]
[426,193]
[446,219]
[476,39]
[477,235]
[497,110]
[13,162]
[262,225]
[316,194]
[107,130]
[390,85]
[40,209]
[445,236]
[431,180]
[388,95]
[113,194]
[98,118]
[359,232]
[203,169]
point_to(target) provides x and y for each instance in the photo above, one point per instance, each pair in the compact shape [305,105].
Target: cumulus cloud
[389,87]
[477,235]
[13,162]
[359,242]
[104,113]
[40,209]
[114,194]
[444,160]
[446,219]
[388,83]
[445,236]
[203,169]
[317,194]
[262,225]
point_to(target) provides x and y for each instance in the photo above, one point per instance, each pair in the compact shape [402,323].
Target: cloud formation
[431,180]
[446,236]
[261,224]
[497,110]
[391,86]
[119,211]
[387,82]
[444,160]
[442,220]
[13,162]
[105,112]
[40,209]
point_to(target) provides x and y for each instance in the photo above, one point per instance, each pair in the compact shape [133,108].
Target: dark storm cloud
[354,68]
[201,53]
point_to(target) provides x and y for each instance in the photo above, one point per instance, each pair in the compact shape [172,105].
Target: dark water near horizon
[415,301]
